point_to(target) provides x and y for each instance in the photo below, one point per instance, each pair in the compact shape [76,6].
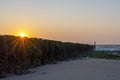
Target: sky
[83,21]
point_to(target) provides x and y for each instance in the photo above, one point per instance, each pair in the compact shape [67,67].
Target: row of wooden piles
[19,54]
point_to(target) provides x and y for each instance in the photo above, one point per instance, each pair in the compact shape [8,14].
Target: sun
[22,34]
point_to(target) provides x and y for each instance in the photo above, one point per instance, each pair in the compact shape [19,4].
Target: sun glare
[22,34]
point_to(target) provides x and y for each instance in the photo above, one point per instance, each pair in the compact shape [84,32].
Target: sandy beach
[89,69]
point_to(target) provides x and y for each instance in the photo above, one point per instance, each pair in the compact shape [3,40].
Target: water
[107,48]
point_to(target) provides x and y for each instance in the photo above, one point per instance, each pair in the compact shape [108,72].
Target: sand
[89,69]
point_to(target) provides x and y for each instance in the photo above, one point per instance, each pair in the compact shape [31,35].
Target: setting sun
[22,34]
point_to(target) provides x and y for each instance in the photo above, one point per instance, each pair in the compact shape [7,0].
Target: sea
[107,48]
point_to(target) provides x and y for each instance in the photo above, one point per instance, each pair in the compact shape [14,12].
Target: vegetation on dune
[17,54]
[104,55]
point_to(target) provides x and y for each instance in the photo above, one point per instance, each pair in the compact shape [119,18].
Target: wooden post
[6,54]
[94,44]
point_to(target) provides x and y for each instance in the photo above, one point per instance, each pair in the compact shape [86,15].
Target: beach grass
[103,55]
